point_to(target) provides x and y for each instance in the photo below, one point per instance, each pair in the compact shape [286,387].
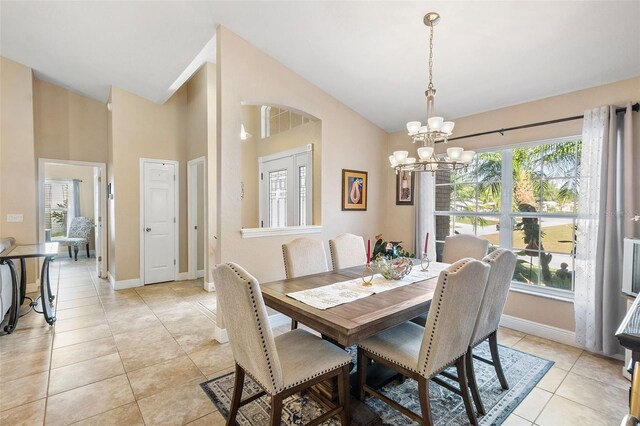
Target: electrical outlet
[14,218]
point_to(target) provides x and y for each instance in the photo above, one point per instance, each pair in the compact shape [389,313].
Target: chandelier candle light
[435,130]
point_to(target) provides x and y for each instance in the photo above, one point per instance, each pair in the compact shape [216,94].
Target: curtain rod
[635,108]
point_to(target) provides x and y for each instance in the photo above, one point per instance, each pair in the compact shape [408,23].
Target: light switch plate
[14,217]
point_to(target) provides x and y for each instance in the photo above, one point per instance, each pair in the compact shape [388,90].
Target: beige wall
[143,129]
[83,173]
[349,141]
[400,218]
[18,194]
[68,126]
[255,147]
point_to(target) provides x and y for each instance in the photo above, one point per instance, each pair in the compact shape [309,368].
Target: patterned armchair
[78,235]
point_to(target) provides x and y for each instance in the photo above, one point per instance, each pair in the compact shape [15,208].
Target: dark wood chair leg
[344,395]
[238,384]
[362,374]
[75,252]
[464,389]
[88,255]
[495,357]
[294,324]
[425,404]
[69,248]
[473,384]
[276,410]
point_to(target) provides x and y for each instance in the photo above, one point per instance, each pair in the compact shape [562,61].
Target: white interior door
[196,212]
[97,218]
[159,219]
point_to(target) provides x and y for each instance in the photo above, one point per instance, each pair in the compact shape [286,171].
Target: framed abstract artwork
[404,188]
[354,190]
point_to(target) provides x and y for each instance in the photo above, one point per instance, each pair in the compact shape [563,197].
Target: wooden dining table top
[351,322]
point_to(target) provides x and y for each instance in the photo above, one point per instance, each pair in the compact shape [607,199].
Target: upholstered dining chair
[303,256]
[461,246]
[281,366]
[347,250]
[78,235]
[422,353]
[502,263]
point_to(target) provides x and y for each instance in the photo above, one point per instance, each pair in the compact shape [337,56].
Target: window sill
[274,232]
[545,292]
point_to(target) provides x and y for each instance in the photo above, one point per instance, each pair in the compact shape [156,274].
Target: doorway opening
[72,204]
[196,208]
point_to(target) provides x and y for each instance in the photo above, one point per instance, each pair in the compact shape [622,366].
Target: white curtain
[606,200]
[73,207]
[425,218]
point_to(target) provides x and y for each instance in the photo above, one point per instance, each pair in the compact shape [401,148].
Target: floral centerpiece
[392,261]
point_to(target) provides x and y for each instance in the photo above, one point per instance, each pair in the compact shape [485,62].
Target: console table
[22,252]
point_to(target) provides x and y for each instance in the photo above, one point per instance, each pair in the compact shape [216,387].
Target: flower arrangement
[389,249]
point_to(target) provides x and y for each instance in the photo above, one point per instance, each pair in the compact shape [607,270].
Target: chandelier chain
[430,57]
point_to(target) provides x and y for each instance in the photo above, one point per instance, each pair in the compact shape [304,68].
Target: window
[523,199]
[277,120]
[56,203]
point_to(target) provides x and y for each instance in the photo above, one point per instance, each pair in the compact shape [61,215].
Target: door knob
[148,229]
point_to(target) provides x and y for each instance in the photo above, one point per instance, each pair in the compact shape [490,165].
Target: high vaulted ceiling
[372,56]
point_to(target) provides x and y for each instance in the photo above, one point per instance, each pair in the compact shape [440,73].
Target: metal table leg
[23,280]
[15,301]
[45,292]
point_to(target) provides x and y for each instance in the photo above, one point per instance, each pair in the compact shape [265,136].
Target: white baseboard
[121,285]
[209,286]
[182,276]
[279,319]
[200,273]
[220,334]
[556,334]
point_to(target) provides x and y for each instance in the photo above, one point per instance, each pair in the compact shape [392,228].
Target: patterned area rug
[523,372]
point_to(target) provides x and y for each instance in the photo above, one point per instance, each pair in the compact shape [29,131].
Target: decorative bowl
[394,269]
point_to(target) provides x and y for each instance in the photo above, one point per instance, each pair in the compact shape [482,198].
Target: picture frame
[405,182]
[354,190]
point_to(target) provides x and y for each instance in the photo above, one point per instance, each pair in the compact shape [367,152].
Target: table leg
[15,301]
[23,280]
[45,292]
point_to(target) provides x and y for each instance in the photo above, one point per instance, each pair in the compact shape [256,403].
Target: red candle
[368,252]
[426,244]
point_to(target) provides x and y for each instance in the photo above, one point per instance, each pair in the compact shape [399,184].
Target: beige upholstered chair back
[461,246]
[347,250]
[502,263]
[304,256]
[245,316]
[452,315]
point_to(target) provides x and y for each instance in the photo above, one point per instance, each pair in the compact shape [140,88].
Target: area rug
[523,371]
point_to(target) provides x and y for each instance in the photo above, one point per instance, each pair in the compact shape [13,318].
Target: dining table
[351,322]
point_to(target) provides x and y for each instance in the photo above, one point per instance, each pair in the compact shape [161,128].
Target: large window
[523,199]
[56,206]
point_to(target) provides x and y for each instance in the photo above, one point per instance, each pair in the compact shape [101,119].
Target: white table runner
[331,295]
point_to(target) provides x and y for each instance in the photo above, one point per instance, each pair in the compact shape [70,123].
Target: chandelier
[435,130]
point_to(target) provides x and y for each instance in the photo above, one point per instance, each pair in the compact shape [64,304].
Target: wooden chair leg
[473,384]
[464,389]
[69,248]
[294,324]
[344,395]
[238,384]
[75,252]
[425,403]
[276,410]
[88,255]
[362,374]
[495,357]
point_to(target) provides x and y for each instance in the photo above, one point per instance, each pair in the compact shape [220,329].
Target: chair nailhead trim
[263,341]
[284,257]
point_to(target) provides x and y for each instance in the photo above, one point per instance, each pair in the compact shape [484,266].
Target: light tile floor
[137,356]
